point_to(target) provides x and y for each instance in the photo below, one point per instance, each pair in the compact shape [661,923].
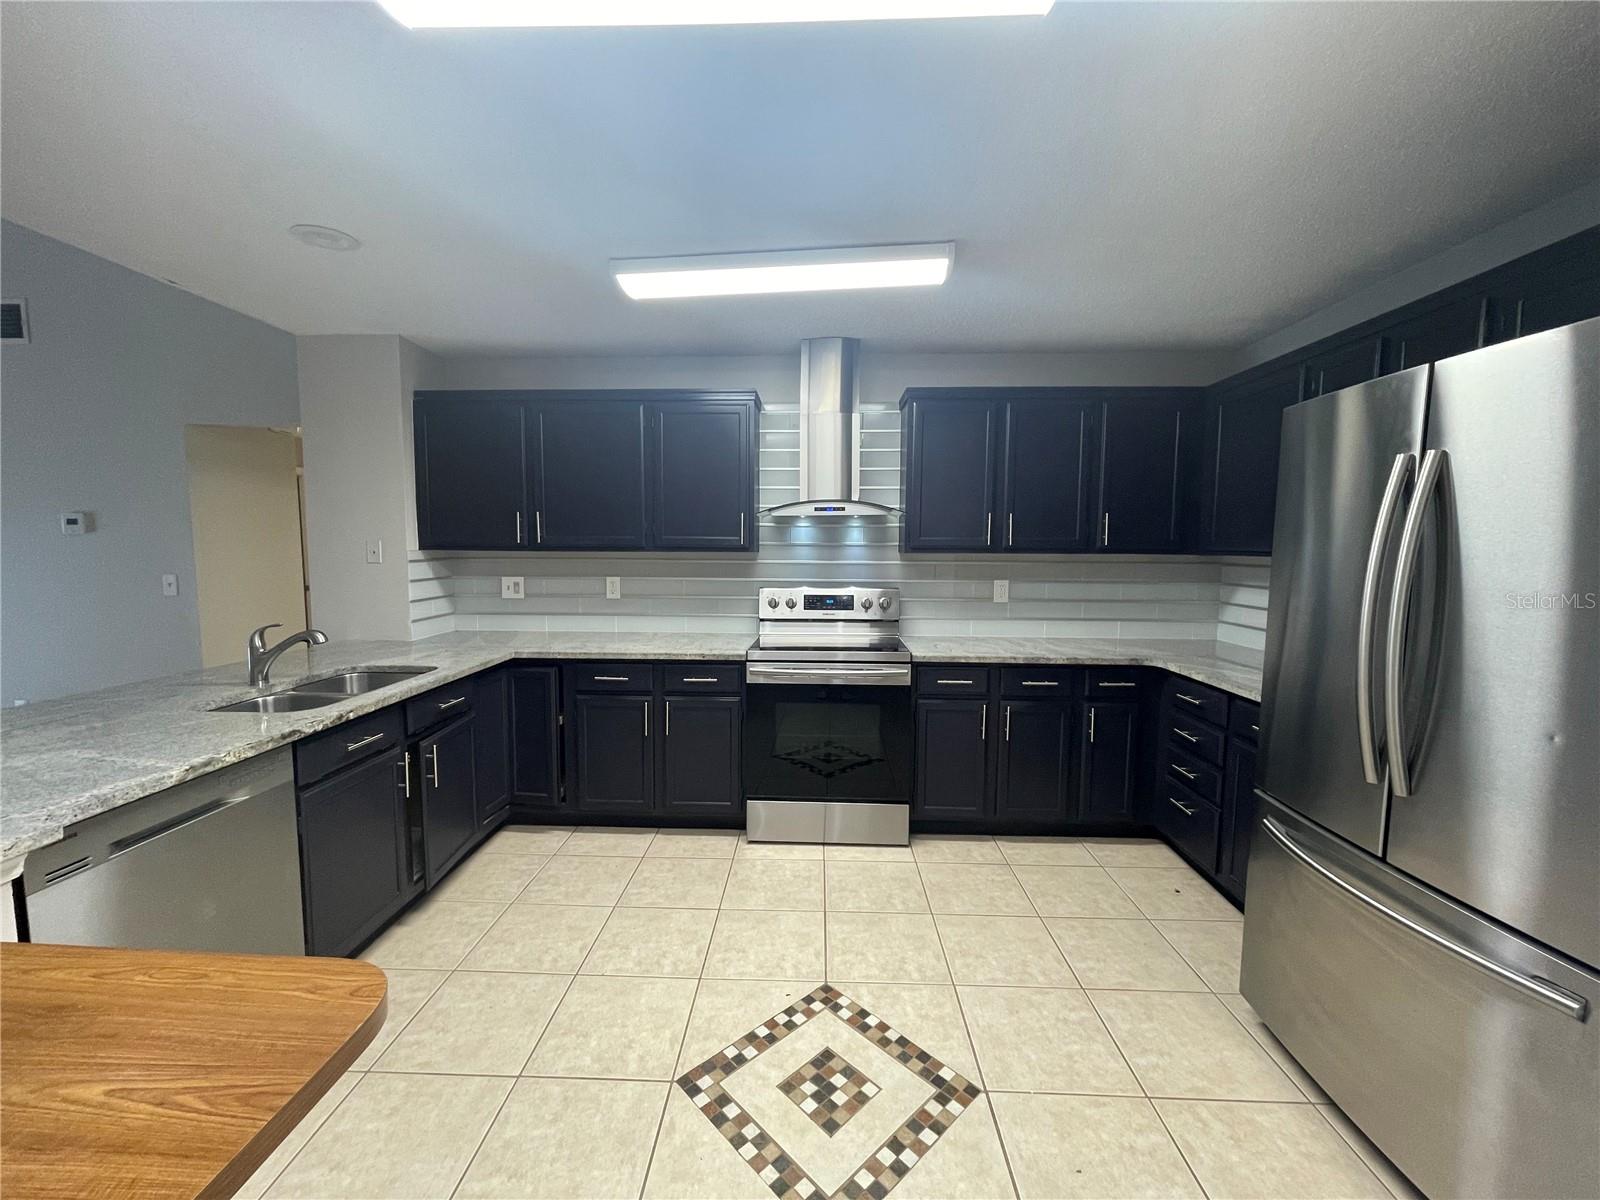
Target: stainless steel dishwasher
[211,864]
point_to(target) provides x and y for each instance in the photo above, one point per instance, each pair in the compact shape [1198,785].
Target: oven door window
[828,743]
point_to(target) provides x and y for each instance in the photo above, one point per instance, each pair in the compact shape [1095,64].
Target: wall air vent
[13,321]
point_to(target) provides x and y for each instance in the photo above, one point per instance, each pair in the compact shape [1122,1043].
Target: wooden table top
[135,1073]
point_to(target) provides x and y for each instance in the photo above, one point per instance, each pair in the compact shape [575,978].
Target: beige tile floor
[545,998]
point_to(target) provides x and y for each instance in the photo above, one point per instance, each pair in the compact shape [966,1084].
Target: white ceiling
[1114,175]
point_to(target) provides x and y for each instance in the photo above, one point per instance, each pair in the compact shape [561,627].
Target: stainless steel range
[828,734]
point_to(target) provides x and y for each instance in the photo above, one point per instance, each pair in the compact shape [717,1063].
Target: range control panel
[829,604]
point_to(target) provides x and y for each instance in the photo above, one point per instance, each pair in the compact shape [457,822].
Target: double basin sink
[316,693]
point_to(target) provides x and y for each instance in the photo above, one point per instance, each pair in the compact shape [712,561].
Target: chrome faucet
[260,657]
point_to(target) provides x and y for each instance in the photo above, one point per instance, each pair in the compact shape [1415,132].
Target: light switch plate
[375,551]
[513,587]
[613,587]
[169,585]
[1002,591]
[76,523]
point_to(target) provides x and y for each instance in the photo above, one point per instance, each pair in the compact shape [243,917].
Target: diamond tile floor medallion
[930,1094]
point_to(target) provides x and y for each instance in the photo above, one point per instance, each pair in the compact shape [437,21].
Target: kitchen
[567,622]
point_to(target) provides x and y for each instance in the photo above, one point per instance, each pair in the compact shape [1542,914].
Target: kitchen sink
[354,683]
[281,702]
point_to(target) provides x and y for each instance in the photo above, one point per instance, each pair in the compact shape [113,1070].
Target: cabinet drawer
[953,681]
[1113,683]
[611,677]
[1193,737]
[1199,777]
[1197,700]
[322,754]
[1190,822]
[1244,720]
[440,705]
[1037,683]
[703,677]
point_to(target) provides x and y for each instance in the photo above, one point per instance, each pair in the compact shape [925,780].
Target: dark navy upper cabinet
[703,474]
[949,457]
[1239,461]
[472,473]
[1442,331]
[1342,366]
[1143,471]
[1049,450]
[589,477]
[1546,289]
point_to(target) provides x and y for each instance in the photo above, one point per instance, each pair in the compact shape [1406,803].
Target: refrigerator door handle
[1558,998]
[1433,462]
[1382,531]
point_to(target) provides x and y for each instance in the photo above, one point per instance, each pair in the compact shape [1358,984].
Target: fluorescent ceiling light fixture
[766,271]
[474,14]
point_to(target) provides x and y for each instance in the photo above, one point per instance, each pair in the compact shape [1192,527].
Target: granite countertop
[64,760]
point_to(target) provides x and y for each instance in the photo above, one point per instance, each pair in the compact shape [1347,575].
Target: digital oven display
[831,603]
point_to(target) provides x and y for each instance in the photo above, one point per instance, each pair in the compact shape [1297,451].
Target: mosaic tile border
[881,1170]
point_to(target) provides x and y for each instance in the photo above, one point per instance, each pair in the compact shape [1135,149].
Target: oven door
[813,737]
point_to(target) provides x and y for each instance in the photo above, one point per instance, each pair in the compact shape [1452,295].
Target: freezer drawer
[1469,1055]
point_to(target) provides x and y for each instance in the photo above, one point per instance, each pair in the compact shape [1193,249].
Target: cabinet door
[1239,478]
[535,738]
[353,853]
[1441,332]
[1048,460]
[471,472]
[703,475]
[449,794]
[702,755]
[952,767]
[1035,761]
[590,477]
[1105,780]
[1141,472]
[950,475]
[612,769]
[490,708]
[1342,366]
[1238,817]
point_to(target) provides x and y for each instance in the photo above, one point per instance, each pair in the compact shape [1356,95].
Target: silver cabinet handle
[519,527]
[1185,809]
[741,529]
[1382,528]
[352,747]
[1010,540]
[1041,683]
[954,682]
[1185,772]
[1575,1006]
[983,723]
[538,526]
[988,529]
[1091,724]
[1184,733]
[405,775]
[444,704]
[433,760]
[1433,462]
[1189,698]
[1008,722]
[647,718]
[1255,729]
[1105,529]
[699,679]
[1115,683]
[668,729]
[612,678]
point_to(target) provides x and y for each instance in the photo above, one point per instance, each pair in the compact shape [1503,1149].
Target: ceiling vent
[13,321]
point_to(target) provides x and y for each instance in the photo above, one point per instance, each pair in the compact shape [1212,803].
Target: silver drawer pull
[612,678]
[1558,998]
[352,747]
[1041,683]
[1185,772]
[1189,698]
[1255,729]
[444,704]
[1184,733]
[1115,683]
[1181,807]
[955,681]
[699,679]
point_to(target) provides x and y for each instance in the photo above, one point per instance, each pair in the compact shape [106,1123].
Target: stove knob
[884,602]
[866,603]
[772,602]
[789,602]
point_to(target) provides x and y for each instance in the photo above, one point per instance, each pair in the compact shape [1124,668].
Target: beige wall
[245,509]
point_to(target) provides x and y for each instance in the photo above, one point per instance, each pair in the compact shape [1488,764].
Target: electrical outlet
[375,551]
[1002,591]
[613,587]
[169,585]
[512,587]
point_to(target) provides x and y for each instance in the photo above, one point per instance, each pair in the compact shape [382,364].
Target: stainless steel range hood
[830,435]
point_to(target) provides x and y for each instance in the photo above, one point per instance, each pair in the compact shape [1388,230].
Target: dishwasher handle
[171,825]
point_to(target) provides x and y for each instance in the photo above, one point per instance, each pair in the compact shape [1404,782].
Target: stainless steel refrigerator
[1422,928]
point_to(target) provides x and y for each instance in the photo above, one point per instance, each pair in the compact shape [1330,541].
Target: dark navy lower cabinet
[535,700]
[355,854]
[1035,780]
[491,705]
[702,746]
[1107,761]
[1239,818]
[611,764]
[448,766]
[953,759]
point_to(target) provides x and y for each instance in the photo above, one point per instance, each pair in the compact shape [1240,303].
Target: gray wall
[91,417]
